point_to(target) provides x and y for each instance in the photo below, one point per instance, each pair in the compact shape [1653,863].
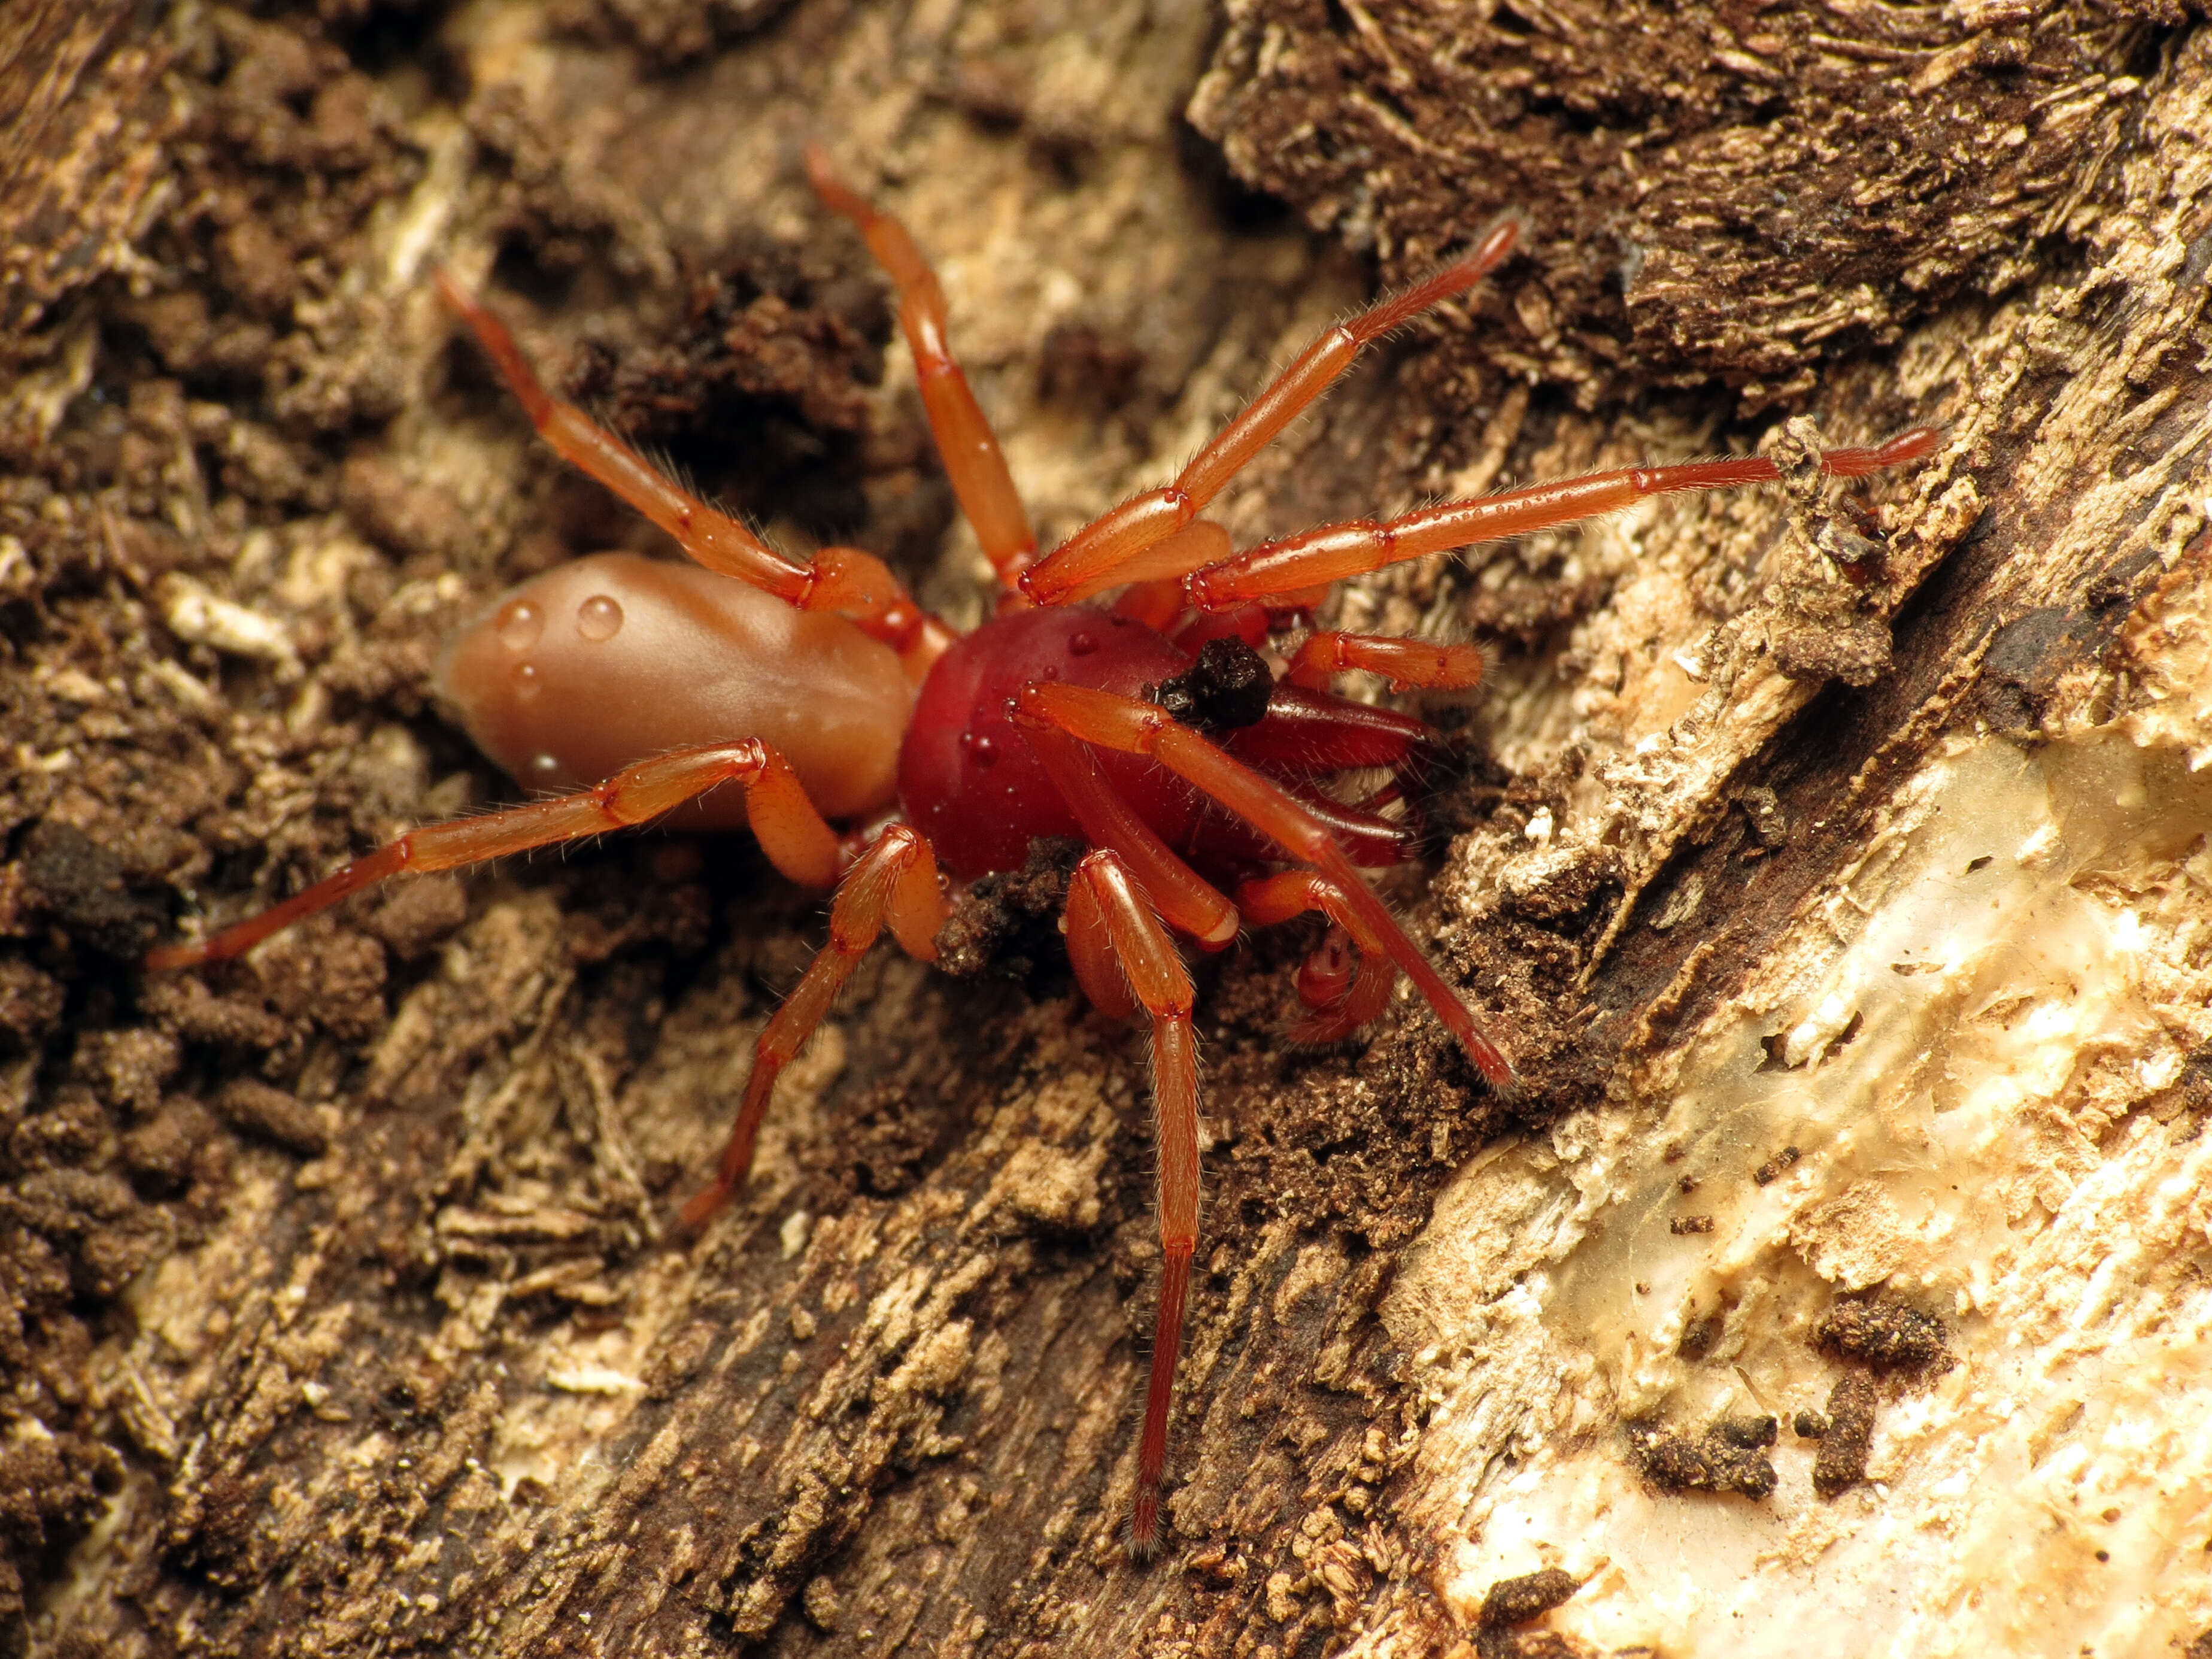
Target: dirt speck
[1885,1334]
[1711,1461]
[85,890]
[1841,1463]
[257,1109]
[1008,925]
[1516,1600]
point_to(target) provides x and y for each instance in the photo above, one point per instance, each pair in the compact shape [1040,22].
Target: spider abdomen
[605,661]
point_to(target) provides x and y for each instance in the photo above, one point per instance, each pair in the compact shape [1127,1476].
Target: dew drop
[980,749]
[528,683]
[518,623]
[1082,645]
[543,765]
[599,617]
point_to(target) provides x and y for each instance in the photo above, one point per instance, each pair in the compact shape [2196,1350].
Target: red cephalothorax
[1152,731]
[971,782]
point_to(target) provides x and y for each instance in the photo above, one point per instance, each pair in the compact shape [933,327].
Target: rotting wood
[439,1387]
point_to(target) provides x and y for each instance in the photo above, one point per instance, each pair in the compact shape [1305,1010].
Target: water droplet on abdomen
[599,617]
[518,623]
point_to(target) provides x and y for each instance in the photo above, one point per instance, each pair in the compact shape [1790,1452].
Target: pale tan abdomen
[609,659]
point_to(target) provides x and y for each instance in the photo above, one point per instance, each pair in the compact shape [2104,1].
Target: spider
[1150,728]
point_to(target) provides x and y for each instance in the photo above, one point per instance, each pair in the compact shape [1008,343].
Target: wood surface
[343,1315]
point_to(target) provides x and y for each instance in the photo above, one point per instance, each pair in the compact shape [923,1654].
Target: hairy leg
[973,460]
[1405,662]
[842,579]
[893,884]
[791,832]
[1108,722]
[1113,549]
[1126,958]
[1333,551]
[1343,990]
[1189,903]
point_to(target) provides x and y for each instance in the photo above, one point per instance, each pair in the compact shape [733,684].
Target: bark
[1833,867]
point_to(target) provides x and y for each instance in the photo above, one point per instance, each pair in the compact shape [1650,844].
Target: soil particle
[671,33]
[1008,925]
[255,1108]
[417,915]
[70,1130]
[187,1008]
[1713,1461]
[1854,650]
[1773,1169]
[1748,1433]
[1516,1600]
[329,977]
[85,890]
[1511,1601]
[162,1155]
[1885,1334]
[93,1217]
[127,1067]
[51,1487]
[1841,1461]
[405,516]
[30,1000]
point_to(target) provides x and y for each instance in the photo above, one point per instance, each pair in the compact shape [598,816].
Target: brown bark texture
[1831,861]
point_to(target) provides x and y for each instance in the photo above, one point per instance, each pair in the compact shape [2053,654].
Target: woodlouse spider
[1150,729]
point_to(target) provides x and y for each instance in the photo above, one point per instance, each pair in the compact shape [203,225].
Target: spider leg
[1329,971]
[791,832]
[1405,662]
[1156,604]
[1331,552]
[1121,935]
[973,460]
[1090,947]
[1363,1002]
[1108,722]
[893,884]
[1188,903]
[840,579]
[1344,995]
[1310,732]
[1113,549]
